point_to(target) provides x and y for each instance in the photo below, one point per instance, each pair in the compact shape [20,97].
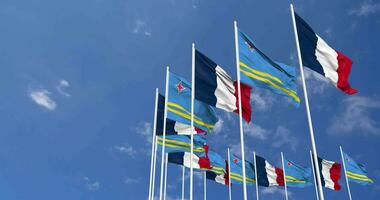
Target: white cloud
[316,83]
[282,137]
[41,97]
[91,185]
[355,115]
[60,87]
[274,190]
[130,180]
[255,131]
[126,149]
[218,126]
[365,9]
[145,129]
[141,27]
[262,100]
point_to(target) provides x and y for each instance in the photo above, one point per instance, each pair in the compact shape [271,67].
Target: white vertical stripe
[183,129]
[187,159]
[326,166]
[328,58]
[271,174]
[225,91]
[220,179]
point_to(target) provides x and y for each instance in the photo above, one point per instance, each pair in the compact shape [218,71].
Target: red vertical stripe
[280,176]
[245,100]
[335,175]
[344,68]
[226,174]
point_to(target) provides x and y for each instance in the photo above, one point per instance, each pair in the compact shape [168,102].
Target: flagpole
[240,111]
[315,180]
[204,186]
[256,178]
[166,174]
[283,169]
[164,131]
[153,145]
[192,117]
[313,145]
[183,182]
[345,172]
[154,167]
[229,174]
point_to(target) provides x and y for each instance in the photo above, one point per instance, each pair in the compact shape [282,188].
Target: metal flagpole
[204,186]
[164,131]
[345,172]
[192,117]
[229,174]
[283,168]
[314,148]
[315,179]
[154,167]
[256,178]
[240,110]
[153,146]
[166,174]
[183,182]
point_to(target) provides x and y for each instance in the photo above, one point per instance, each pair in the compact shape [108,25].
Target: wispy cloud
[91,185]
[141,27]
[130,180]
[355,114]
[61,86]
[282,137]
[42,98]
[274,190]
[262,100]
[316,83]
[126,149]
[365,9]
[255,131]
[218,126]
[145,129]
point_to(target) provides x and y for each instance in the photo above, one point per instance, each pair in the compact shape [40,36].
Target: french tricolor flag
[267,175]
[219,178]
[215,87]
[320,57]
[184,159]
[331,173]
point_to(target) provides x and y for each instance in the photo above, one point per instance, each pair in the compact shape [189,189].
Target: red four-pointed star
[235,161]
[180,87]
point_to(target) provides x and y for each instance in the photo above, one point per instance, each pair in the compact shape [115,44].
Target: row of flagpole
[154,143]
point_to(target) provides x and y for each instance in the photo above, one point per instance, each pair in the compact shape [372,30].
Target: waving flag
[184,159]
[330,171]
[236,172]
[179,105]
[182,143]
[267,175]
[216,88]
[296,175]
[320,57]
[219,178]
[356,172]
[218,164]
[172,127]
[259,70]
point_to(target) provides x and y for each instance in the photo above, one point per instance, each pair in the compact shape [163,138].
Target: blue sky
[78,79]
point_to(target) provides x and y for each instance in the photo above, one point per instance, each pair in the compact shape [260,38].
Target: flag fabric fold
[216,88]
[331,173]
[259,70]
[219,178]
[320,57]
[236,172]
[179,105]
[297,175]
[267,175]
[184,159]
[356,172]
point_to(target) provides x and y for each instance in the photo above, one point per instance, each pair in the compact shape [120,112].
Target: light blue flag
[179,105]
[237,173]
[259,70]
[297,175]
[182,143]
[217,163]
[356,172]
